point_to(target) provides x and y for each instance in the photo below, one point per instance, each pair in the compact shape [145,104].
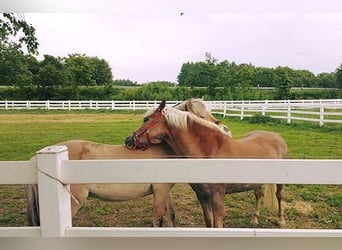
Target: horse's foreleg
[160,202]
[79,194]
[170,213]
[258,196]
[279,195]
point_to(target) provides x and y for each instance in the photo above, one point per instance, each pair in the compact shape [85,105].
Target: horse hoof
[282,223]
[254,222]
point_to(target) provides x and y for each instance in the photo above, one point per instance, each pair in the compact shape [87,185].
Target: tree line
[78,76]
[213,74]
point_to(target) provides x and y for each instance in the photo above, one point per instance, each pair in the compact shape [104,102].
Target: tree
[338,73]
[284,83]
[16,33]
[79,70]
[82,70]
[327,80]
[209,59]
[102,73]
[14,70]
[50,76]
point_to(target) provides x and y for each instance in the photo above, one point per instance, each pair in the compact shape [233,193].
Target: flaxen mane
[179,119]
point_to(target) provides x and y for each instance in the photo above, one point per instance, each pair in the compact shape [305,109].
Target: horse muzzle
[132,142]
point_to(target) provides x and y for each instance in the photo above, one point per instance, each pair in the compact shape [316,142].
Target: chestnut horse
[86,150]
[192,137]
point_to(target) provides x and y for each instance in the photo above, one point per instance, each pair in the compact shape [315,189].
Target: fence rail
[320,111]
[52,164]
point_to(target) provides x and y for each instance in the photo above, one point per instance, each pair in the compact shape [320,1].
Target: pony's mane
[177,116]
[178,119]
[198,102]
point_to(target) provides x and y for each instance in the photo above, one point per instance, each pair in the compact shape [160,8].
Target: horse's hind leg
[206,205]
[33,217]
[256,214]
[279,195]
[218,208]
[170,213]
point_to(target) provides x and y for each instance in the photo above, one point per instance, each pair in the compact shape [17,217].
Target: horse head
[144,136]
[151,130]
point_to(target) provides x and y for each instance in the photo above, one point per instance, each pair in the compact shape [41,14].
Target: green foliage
[124,82]
[101,71]
[284,83]
[14,25]
[14,68]
[213,75]
[339,77]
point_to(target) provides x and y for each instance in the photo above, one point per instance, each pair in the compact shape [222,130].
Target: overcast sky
[150,42]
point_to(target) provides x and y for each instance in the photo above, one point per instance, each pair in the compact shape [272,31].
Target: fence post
[225,109]
[54,197]
[264,108]
[288,111]
[6,104]
[321,115]
[242,109]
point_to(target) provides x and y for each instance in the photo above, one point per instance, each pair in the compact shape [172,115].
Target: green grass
[23,133]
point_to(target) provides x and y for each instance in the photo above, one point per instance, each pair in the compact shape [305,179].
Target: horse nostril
[129,140]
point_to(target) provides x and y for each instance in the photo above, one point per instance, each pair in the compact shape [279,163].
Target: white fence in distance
[320,111]
[54,198]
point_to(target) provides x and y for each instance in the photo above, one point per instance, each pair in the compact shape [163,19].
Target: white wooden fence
[52,164]
[320,111]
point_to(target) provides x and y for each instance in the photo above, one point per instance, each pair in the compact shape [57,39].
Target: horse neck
[196,141]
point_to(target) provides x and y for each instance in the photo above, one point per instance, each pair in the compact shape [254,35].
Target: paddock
[53,169]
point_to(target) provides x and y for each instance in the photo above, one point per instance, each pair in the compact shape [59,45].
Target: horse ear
[161,106]
[189,105]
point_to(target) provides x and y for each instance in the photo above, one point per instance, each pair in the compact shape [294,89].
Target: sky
[149,40]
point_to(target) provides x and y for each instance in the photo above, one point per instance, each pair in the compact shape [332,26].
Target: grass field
[22,133]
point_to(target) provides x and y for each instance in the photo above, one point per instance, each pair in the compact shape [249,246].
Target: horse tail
[32,204]
[270,199]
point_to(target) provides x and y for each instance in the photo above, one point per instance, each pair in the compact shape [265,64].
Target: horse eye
[145,119]
[201,116]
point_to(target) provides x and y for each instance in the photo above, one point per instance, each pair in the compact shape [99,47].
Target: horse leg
[206,205]
[32,213]
[170,213]
[279,195]
[79,194]
[161,196]
[207,212]
[218,208]
[258,196]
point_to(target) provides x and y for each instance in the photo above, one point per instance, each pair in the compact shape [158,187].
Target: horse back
[87,150]
[265,143]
